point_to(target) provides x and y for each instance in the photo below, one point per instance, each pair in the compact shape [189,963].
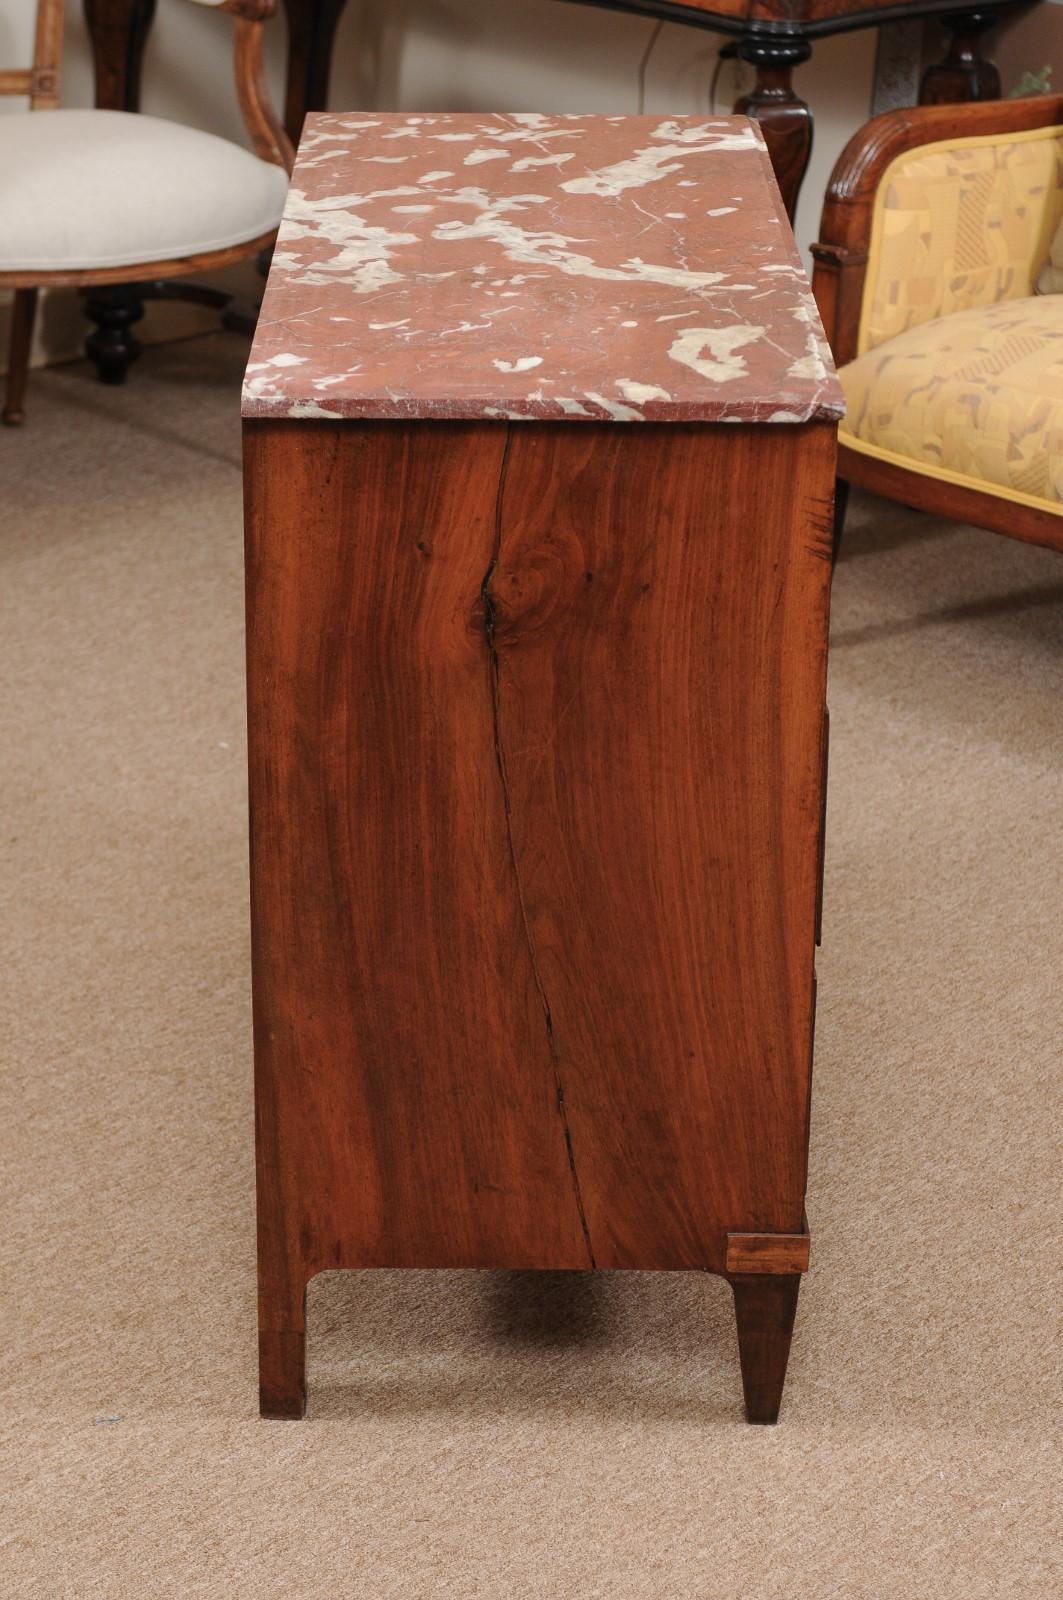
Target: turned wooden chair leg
[23,313]
[112,345]
[281,1348]
[764,1310]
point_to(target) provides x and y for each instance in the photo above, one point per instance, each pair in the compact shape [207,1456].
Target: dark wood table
[539,530]
[774,36]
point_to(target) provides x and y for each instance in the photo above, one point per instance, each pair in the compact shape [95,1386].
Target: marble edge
[828,406]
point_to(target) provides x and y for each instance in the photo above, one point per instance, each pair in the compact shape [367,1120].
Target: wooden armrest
[840,257]
[859,168]
[263,124]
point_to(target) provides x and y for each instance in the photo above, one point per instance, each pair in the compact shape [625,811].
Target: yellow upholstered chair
[98,199]
[937,276]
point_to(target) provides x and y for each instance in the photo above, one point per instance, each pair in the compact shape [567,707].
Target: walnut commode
[540,439]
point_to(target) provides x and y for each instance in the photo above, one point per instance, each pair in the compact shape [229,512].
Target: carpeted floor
[506,1436]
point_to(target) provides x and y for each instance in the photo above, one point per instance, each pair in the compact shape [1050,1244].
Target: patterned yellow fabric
[975,398]
[960,225]
[1050,279]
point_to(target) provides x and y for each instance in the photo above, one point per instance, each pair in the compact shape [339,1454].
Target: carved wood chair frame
[40,83]
[839,281]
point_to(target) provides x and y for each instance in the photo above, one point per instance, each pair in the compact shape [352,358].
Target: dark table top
[809,19]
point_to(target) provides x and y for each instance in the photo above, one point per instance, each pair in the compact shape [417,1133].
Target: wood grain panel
[659,631]
[408,1109]
[535,743]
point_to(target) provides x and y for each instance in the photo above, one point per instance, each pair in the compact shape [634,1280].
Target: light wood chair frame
[839,281]
[40,83]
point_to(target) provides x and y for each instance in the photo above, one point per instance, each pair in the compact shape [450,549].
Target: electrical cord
[651,45]
[727,52]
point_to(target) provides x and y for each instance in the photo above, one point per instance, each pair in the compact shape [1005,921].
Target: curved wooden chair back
[41,81]
[841,255]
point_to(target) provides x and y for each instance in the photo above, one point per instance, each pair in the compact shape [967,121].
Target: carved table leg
[112,345]
[311,33]
[785,119]
[964,74]
[118,30]
[764,1310]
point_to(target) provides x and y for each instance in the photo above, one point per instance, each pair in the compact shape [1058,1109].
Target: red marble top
[588,267]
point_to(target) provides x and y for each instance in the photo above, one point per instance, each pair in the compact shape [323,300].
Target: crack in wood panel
[489,618]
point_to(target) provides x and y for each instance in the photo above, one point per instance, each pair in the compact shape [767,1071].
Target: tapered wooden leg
[281,1352]
[764,1310]
[23,313]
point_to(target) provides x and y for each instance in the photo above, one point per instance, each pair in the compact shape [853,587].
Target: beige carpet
[492,1435]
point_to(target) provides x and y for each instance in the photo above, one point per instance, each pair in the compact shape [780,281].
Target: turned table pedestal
[540,434]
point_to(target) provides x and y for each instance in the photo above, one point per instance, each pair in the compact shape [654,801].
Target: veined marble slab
[524,266]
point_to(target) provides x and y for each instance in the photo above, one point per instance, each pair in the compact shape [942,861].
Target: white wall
[543,55]
[540,55]
[1030,41]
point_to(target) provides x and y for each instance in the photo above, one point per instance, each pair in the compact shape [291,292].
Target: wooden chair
[96,199]
[937,224]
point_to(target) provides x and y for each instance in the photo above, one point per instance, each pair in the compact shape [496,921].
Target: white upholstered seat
[84,189]
[105,201]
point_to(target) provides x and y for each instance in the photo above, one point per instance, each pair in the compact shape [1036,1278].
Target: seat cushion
[82,189]
[975,398]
